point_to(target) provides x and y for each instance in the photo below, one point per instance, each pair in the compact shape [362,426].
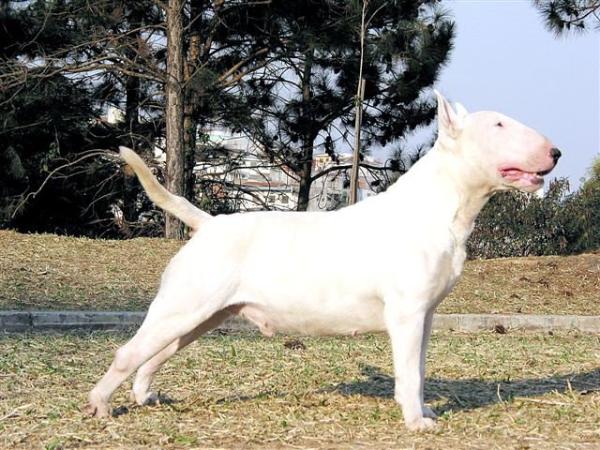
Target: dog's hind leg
[160,328]
[141,386]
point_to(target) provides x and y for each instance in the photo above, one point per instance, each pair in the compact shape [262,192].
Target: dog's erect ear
[461,110]
[449,121]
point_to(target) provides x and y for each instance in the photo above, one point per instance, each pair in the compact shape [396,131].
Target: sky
[505,60]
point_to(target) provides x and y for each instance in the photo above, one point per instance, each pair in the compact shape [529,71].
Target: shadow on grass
[472,393]
[456,395]
[160,399]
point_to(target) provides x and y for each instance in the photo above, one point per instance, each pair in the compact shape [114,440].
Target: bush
[517,224]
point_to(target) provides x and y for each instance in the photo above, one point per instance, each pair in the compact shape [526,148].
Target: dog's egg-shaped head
[498,149]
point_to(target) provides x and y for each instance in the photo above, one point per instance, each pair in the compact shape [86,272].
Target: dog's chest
[442,276]
[456,267]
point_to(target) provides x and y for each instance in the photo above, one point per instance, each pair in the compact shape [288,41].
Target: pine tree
[317,53]
[47,123]
[285,72]
[115,51]
[562,16]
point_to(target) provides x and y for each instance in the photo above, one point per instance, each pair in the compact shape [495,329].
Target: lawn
[513,390]
[53,272]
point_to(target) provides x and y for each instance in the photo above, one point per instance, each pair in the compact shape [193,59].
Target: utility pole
[360,96]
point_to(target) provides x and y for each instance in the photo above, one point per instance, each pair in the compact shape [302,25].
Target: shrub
[517,224]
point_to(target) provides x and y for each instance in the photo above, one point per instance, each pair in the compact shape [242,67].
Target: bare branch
[349,166]
[88,154]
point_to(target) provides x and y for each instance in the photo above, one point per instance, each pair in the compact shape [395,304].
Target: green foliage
[517,224]
[407,43]
[50,108]
[56,86]
[45,126]
[284,71]
[585,210]
[312,98]
[562,16]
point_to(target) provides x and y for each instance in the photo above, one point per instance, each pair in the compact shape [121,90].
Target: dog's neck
[449,184]
[471,192]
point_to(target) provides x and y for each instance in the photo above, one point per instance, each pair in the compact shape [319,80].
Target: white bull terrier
[394,258]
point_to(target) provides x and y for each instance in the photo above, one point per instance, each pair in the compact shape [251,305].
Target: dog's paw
[145,398]
[428,412]
[97,406]
[421,424]
[96,410]
[152,399]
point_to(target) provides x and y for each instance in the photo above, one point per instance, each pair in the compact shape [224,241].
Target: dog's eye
[500,124]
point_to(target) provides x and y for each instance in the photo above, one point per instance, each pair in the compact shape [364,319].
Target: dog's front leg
[427,411]
[407,333]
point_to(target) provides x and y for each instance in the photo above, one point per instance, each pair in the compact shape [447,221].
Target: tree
[116,52]
[223,43]
[283,71]
[52,179]
[563,16]
[557,223]
[312,82]
[518,224]
[360,98]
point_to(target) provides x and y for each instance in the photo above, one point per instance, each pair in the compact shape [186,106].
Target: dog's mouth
[514,175]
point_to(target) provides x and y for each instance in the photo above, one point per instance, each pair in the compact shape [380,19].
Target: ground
[513,390]
[53,272]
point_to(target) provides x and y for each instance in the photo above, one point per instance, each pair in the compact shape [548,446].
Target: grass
[516,390]
[57,272]
[53,272]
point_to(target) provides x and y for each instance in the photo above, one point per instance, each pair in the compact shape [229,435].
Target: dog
[394,257]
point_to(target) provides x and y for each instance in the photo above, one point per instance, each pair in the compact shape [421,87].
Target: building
[332,190]
[234,169]
[237,170]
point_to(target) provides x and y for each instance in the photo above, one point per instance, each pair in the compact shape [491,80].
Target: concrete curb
[479,322]
[20,321]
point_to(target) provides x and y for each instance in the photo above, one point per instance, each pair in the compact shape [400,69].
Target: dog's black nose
[555,154]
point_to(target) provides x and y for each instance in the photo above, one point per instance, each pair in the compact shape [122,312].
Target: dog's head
[502,152]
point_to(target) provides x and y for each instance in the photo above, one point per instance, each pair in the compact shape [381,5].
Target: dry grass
[491,391]
[56,272]
[52,272]
[532,285]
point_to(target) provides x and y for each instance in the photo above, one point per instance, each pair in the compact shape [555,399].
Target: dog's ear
[449,121]
[461,110]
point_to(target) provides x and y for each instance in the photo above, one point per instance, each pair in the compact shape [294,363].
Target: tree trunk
[190,124]
[132,107]
[174,175]
[304,190]
[308,139]
[131,186]
[130,183]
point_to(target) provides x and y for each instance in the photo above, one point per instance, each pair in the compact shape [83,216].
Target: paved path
[19,321]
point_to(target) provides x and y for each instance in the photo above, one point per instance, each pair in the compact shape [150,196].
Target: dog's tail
[173,204]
